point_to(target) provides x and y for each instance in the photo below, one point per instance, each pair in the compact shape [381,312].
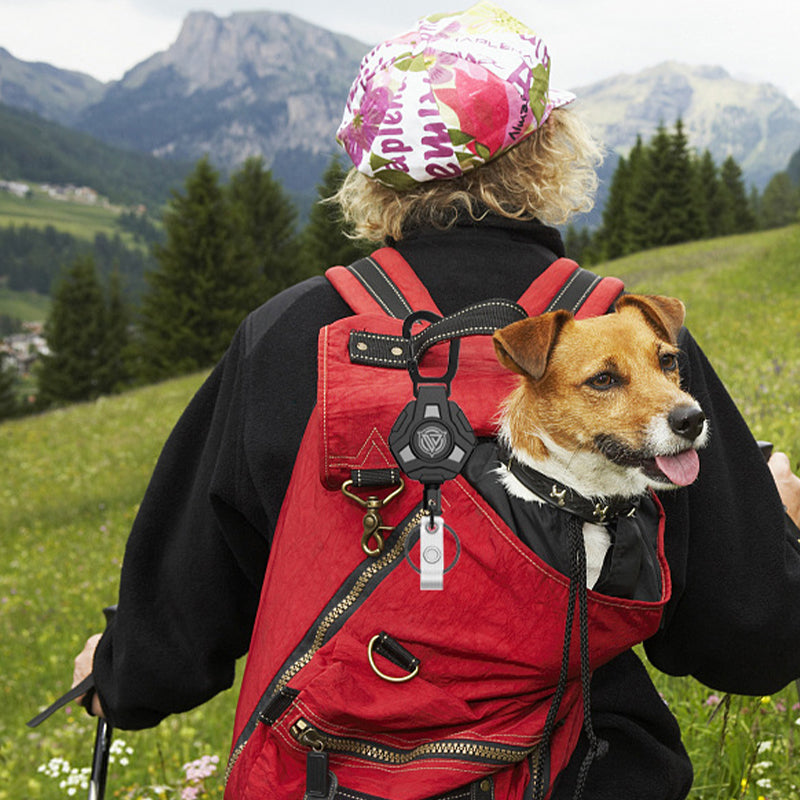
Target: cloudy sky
[587,39]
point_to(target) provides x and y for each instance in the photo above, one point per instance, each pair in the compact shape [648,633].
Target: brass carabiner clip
[372,522]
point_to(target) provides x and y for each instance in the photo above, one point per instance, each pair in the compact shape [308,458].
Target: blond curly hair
[549,176]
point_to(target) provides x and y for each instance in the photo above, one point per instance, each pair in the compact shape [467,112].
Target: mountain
[269,84]
[35,149]
[755,123]
[55,94]
[252,83]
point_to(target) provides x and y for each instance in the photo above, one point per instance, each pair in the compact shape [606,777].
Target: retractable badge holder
[431,441]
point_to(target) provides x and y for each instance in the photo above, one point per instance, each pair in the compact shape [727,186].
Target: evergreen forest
[163,297]
[664,193]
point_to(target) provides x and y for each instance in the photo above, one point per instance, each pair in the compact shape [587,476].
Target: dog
[599,407]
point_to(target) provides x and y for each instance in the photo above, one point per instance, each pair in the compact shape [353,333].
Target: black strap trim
[574,292]
[395,352]
[374,279]
[366,478]
[278,706]
[475,320]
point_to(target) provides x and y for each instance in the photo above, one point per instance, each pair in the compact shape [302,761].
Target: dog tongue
[682,469]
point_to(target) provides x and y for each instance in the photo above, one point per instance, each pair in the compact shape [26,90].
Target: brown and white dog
[599,407]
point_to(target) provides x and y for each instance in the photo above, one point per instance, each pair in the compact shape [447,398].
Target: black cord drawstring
[577,587]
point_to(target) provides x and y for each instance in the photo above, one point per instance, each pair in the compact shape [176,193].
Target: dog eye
[603,381]
[669,362]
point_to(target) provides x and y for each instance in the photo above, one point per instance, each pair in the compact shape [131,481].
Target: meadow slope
[73,479]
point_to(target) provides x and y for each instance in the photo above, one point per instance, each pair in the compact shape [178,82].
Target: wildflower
[202,768]
[712,700]
[190,792]
[765,701]
[764,783]
[764,746]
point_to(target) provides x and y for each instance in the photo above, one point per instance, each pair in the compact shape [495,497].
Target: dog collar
[600,512]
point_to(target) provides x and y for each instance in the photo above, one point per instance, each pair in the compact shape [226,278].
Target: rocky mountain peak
[211,52]
[753,122]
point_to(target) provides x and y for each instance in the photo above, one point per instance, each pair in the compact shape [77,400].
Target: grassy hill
[73,479]
[33,149]
[26,306]
[40,210]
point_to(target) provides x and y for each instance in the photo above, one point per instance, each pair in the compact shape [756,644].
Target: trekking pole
[102,741]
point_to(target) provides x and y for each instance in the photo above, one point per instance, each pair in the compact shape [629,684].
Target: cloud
[588,39]
[100,37]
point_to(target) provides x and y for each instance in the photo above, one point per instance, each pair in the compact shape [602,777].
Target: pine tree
[74,331]
[731,178]
[263,219]
[200,292]
[115,372]
[324,239]
[8,390]
[780,202]
[705,181]
[642,188]
[614,236]
[661,205]
[683,222]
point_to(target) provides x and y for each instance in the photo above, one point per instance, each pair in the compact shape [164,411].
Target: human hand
[84,663]
[788,484]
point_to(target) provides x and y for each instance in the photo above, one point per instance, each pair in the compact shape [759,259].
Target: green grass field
[25,306]
[39,210]
[72,480]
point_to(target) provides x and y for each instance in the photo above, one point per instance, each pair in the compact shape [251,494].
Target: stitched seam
[380,360]
[454,333]
[379,336]
[390,284]
[365,283]
[588,291]
[368,286]
[325,400]
[564,288]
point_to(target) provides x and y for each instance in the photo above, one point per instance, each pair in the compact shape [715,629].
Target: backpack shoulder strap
[383,282]
[565,285]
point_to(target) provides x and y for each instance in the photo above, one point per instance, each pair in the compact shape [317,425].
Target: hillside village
[66,192]
[19,351]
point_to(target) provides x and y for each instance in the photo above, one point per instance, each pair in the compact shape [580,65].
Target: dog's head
[600,400]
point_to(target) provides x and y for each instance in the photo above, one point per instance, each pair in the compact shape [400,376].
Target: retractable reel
[431,441]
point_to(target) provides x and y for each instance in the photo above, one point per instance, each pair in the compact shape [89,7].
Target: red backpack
[360,686]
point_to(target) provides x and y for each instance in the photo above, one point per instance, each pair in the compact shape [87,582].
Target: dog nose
[687,421]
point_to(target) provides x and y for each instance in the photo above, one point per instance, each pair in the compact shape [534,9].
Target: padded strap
[382,282]
[385,283]
[565,285]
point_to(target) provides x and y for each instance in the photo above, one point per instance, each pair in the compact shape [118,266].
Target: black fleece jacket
[199,546]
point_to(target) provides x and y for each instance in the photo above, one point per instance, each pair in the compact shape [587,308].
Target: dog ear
[665,314]
[524,347]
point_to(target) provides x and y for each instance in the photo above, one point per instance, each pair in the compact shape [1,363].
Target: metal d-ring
[390,678]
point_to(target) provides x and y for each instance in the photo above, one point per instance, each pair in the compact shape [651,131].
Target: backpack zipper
[497,754]
[373,568]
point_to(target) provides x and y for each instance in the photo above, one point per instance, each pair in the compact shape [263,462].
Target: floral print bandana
[452,94]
